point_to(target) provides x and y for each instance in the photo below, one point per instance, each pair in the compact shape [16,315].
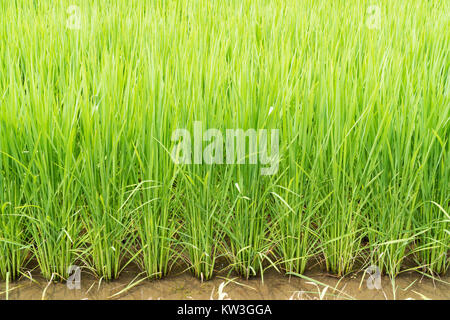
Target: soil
[183,286]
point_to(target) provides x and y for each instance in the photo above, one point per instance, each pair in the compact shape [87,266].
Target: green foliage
[86,119]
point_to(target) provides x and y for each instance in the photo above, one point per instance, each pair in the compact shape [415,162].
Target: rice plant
[91,93]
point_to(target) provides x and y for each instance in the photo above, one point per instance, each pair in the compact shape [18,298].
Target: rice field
[91,93]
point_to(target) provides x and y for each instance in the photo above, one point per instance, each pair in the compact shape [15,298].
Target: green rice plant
[41,140]
[54,221]
[390,231]
[246,226]
[431,219]
[107,216]
[156,198]
[13,247]
[90,97]
[341,232]
[341,180]
[293,230]
[433,246]
[395,190]
[45,174]
[200,232]
[297,203]
[156,230]
[105,177]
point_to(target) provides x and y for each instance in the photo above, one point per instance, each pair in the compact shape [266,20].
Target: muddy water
[183,286]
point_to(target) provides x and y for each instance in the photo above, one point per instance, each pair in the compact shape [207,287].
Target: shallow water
[275,286]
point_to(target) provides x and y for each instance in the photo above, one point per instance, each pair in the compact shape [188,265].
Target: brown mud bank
[183,286]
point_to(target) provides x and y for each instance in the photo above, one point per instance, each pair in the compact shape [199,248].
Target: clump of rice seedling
[200,231]
[13,247]
[247,226]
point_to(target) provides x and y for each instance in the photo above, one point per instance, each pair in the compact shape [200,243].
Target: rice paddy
[91,93]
